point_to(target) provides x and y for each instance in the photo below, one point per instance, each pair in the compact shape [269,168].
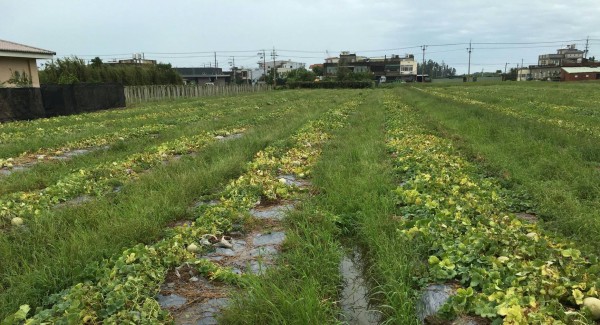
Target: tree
[73,70]
[96,62]
[436,70]
[300,75]
[318,70]
[511,75]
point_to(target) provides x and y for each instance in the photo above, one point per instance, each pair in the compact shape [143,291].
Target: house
[524,74]
[393,68]
[579,73]
[20,59]
[204,75]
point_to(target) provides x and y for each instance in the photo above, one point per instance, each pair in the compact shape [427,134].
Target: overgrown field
[490,190]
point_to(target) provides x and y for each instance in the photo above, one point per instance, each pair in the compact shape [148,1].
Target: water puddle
[527,217]
[229,137]
[73,153]
[75,201]
[26,162]
[292,180]
[355,293]
[275,212]
[192,299]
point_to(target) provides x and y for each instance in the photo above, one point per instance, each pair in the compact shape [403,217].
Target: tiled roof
[6,46]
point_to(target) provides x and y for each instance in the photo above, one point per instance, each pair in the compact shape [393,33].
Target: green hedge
[330,84]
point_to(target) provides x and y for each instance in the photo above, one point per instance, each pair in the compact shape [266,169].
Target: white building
[282,66]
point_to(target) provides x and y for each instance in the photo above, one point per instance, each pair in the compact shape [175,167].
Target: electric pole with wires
[470,49]
[423,47]
[232,63]
[274,56]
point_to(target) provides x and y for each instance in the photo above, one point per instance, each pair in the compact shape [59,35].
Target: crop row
[95,141]
[104,139]
[537,100]
[72,125]
[103,178]
[509,270]
[515,111]
[98,180]
[121,289]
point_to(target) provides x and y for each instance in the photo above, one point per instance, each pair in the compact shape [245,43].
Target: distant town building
[204,75]
[20,59]
[551,66]
[523,74]
[242,75]
[283,66]
[136,58]
[569,55]
[393,68]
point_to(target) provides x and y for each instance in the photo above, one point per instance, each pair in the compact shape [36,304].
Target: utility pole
[587,43]
[423,47]
[274,56]
[216,72]
[470,49]
[232,62]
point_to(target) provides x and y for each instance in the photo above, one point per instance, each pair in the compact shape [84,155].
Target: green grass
[506,129]
[356,179]
[46,173]
[19,137]
[559,169]
[51,253]
[353,205]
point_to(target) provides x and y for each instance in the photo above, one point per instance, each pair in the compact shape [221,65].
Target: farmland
[490,190]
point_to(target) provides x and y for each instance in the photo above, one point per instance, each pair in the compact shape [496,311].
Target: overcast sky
[178,31]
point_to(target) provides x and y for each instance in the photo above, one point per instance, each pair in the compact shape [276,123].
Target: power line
[195,53]
[528,43]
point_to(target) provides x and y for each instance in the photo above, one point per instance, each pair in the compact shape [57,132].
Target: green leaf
[433,260]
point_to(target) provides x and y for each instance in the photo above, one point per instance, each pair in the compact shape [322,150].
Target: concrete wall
[27,65]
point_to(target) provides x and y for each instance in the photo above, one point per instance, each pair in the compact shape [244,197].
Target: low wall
[20,104]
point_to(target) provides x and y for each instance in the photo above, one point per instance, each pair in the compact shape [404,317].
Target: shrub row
[330,84]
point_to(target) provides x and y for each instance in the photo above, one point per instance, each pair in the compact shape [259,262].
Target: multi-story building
[549,66]
[568,55]
[393,68]
[283,66]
